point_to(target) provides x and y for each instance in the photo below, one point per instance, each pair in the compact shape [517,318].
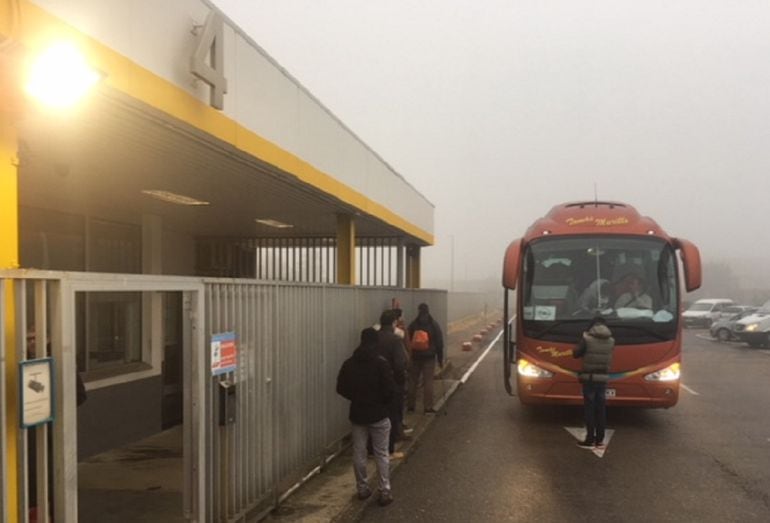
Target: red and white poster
[224,353]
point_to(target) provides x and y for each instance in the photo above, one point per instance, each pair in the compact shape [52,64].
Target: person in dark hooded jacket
[366,379]
[595,348]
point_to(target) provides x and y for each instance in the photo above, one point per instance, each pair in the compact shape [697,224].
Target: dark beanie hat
[423,307]
[368,335]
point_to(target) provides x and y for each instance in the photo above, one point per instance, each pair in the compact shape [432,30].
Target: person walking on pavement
[426,344]
[390,347]
[399,327]
[595,348]
[366,379]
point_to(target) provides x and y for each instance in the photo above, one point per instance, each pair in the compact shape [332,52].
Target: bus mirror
[512,264]
[691,261]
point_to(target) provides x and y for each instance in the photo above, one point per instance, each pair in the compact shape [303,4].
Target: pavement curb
[329,495]
[355,508]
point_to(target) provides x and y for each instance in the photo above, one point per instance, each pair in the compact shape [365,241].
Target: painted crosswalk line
[579,433]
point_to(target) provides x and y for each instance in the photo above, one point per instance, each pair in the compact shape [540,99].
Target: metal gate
[56,292]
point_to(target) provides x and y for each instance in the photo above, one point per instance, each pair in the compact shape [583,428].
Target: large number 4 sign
[210,44]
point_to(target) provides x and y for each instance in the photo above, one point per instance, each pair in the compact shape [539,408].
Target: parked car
[731,310]
[703,312]
[754,329]
[723,329]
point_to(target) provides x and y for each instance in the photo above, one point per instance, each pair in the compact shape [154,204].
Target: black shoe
[410,409]
[430,411]
[386,498]
[587,444]
[364,494]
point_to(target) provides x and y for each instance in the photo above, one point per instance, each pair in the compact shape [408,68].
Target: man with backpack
[426,344]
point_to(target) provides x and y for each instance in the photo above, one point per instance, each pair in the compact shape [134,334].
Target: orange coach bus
[588,259]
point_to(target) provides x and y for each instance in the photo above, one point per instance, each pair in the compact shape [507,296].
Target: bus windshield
[630,281]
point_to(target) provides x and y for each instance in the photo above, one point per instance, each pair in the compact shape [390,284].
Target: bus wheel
[723,335]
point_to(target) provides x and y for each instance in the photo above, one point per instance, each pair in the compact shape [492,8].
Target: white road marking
[688,389]
[579,433]
[483,355]
[705,337]
[765,352]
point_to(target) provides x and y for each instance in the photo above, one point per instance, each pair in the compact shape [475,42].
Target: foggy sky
[497,110]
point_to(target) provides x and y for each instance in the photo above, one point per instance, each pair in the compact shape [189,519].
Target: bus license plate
[609,393]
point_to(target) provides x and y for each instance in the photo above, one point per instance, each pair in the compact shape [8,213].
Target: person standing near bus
[426,344]
[595,348]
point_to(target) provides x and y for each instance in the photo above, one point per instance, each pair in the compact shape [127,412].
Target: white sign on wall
[36,391]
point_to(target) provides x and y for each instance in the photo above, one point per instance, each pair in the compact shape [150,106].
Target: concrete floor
[139,482]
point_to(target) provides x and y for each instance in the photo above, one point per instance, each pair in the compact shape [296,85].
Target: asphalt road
[490,459]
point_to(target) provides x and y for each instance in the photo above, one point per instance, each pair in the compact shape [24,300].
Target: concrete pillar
[346,250]
[413,267]
[400,264]
[9,259]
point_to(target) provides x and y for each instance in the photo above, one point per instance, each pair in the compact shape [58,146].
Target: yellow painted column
[413,267]
[346,250]
[9,259]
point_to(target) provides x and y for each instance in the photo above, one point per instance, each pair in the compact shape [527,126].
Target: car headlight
[670,373]
[751,327]
[532,371]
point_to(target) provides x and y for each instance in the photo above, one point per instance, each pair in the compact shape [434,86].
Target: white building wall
[261,96]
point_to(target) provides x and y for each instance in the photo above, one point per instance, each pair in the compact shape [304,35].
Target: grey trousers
[421,367]
[379,432]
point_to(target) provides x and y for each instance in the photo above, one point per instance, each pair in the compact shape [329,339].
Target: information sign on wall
[36,391]
[224,353]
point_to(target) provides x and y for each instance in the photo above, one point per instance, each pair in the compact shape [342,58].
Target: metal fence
[379,261]
[292,340]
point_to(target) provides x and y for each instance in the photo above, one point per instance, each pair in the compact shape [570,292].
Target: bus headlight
[670,373]
[532,371]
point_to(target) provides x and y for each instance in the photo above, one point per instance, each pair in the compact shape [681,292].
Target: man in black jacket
[366,379]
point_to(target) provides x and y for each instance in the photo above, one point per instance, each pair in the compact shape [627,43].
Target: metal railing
[379,261]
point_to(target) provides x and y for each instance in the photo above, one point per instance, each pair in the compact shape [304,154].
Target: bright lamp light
[60,76]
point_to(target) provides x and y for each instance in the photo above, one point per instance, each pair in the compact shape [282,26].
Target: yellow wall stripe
[39,28]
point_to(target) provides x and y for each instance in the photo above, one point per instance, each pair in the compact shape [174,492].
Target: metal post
[65,441]
[41,432]
[22,497]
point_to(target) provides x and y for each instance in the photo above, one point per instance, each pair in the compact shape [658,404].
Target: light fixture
[60,76]
[171,197]
[274,223]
